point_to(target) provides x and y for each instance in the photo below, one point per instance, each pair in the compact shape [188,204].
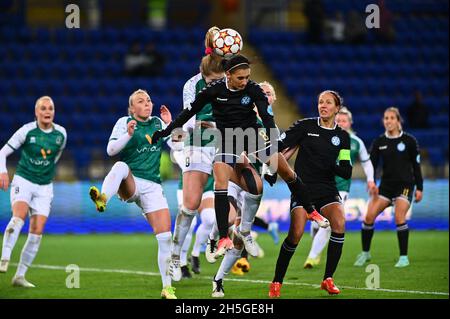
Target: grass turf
[103,255]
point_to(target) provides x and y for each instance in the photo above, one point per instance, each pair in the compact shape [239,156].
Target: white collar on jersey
[49,130]
[326,128]
[392,137]
[226,83]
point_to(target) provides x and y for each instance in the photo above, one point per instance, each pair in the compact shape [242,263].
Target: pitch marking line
[146,273]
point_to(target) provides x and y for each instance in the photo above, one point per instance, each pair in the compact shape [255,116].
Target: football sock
[319,242]
[29,251]
[227,263]
[10,236]
[182,225]
[112,181]
[333,253]
[286,251]
[402,235]
[250,207]
[259,222]
[164,244]
[366,235]
[208,218]
[222,207]
[187,243]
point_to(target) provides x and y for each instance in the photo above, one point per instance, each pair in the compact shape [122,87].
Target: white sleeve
[63,146]
[116,145]
[188,98]
[366,163]
[17,140]
[4,153]
[119,137]
[120,128]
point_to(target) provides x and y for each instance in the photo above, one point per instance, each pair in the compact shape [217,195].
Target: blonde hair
[345,111]
[396,111]
[45,97]
[272,90]
[209,37]
[130,100]
[211,63]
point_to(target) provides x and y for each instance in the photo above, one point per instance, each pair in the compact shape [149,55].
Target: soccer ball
[227,43]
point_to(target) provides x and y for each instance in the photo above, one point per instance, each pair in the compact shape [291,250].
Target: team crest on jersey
[401,146]
[245,100]
[270,110]
[418,159]
[58,140]
[33,139]
[335,140]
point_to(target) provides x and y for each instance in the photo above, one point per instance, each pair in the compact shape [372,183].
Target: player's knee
[121,169]
[186,211]
[192,202]
[295,236]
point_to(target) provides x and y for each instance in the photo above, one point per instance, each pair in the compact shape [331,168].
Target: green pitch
[125,266]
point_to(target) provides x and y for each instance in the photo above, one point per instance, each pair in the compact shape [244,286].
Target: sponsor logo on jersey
[335,140]
[147,149]
[33,139]
[383,147]
[312,134]
[401,146]
[40,162]
[418,158]
[59,140]
[245,100]
[221,100]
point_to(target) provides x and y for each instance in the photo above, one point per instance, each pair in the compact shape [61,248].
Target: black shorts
[392,190]
[253,142]
[320,197]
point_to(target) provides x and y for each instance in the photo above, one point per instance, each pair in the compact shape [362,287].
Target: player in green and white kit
[357,150]
[42,143]
[136,177]
[198,158]
[205,206]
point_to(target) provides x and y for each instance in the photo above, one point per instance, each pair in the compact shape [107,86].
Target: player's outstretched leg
[10,236]
[228,261]
[29,252]
[402,235]
[320,240]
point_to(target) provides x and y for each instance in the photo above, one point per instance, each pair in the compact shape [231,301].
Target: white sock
[208,218]
[319,242]
[227,263]
[10,236]
[164,243]
[214,234]
[182,224]
[29,251]
[249,209]
[314,227]
[187,243]
[112,181]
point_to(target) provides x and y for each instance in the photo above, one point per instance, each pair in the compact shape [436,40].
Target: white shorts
[38,197]
[149,196]
[199,159]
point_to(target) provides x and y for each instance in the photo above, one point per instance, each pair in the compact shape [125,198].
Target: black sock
[244,253]
[222,207]
[366,235]
[333,253]
[260,223]
[402,235]
[300,193]
[286,251]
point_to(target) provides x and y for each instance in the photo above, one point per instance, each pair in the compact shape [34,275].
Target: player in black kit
[399,152]
[324,152]
[232,99]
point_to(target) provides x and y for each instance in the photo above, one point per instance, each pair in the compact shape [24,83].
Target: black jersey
[231,109]
[320,149]
[400,157]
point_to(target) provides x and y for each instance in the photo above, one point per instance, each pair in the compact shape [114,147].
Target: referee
[401,173]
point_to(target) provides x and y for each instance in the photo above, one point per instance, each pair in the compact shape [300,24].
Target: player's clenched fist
[131,127]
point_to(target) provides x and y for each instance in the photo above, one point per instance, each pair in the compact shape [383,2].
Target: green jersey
[142,158]
[41,151]
[192,87]
[357,150]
